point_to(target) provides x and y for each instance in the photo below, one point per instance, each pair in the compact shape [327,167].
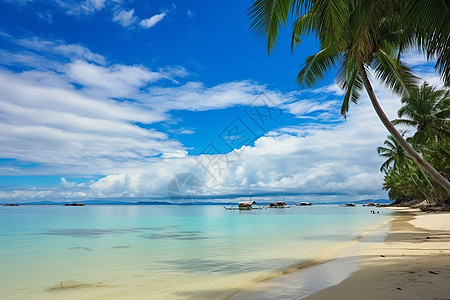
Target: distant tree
[428,110]
[395,154]
[402,176]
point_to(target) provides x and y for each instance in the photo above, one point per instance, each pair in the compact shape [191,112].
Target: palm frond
[316,66]
[404,122]
[350,81]
[394,74]
[332,17]
[267,15]
[301,26]
[385,166]
[431,20]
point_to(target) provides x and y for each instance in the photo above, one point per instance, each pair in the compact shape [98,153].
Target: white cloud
[414,58]
[114,81]
[60,114]
[71,51]
[329,89]
[195,96]
[79,52]
[45,16]
[190,13]
[150,22]
[322,159]
[125,18]
[307,106]
[84,7]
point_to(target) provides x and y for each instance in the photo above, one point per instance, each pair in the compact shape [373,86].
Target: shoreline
[327,269]
[411,261]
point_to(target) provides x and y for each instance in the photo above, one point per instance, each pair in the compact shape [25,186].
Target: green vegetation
[360,37]
[427,110]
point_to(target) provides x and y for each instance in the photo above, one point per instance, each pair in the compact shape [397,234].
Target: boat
[349,205]
[279,204]
[11,204]
[304,204]
[244,205]
[74,204]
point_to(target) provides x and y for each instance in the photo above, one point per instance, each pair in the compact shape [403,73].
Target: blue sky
[112,99]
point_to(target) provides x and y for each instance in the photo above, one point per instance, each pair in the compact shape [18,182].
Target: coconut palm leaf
[430,21]
[301,26]
[350,81]
[316,66]
[395,74]
[428,110]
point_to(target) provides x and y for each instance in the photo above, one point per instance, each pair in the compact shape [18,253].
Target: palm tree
[395,154]
[399,163]
[355,36]
[428,110]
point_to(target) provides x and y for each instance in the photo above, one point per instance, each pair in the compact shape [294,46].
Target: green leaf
[393,73]
[316,65]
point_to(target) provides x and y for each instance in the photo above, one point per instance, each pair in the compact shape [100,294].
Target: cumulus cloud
[61,127]
[72,110]
[150,22]
[60,111]
[337,159]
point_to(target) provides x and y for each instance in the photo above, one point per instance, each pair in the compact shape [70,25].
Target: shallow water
[168,252]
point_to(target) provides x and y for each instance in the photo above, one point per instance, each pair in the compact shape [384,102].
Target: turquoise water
[168,252]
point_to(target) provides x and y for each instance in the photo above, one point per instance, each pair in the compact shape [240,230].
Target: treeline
[426,111]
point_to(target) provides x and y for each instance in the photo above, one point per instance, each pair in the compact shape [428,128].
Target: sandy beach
[410,261]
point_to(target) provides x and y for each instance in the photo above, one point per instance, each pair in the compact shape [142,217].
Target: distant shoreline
[109,202]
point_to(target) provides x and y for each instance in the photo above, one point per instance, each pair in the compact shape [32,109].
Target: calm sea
[161,252]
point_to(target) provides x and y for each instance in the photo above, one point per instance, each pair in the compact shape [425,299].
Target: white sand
[415,263]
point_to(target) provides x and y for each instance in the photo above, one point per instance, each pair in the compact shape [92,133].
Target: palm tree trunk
[422,163]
